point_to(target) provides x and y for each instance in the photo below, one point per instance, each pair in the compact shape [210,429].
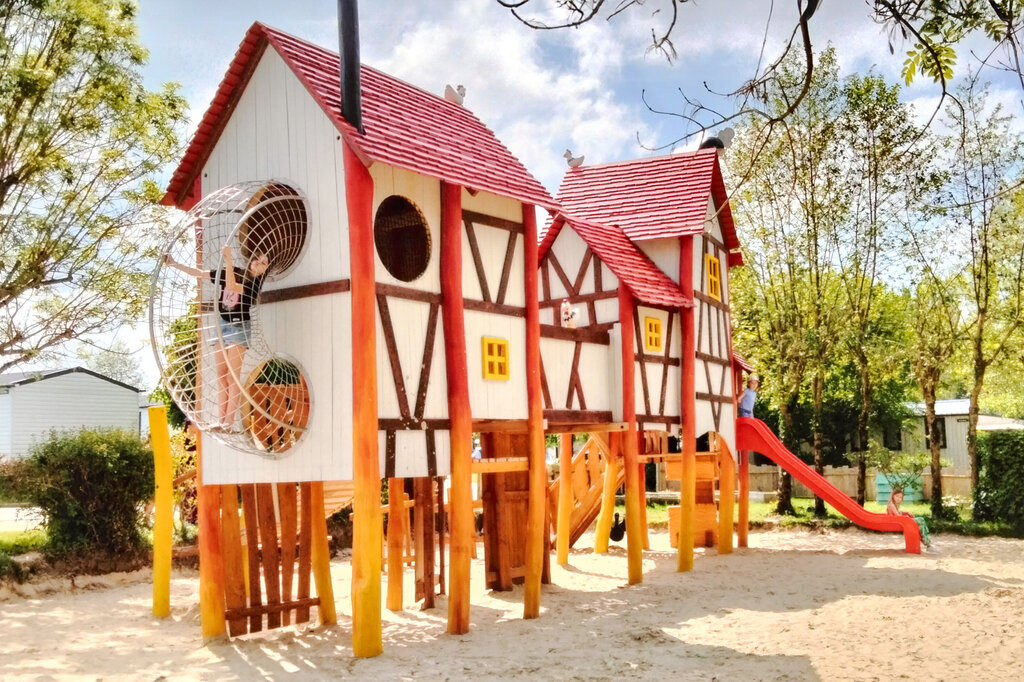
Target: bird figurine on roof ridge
[573,161]
[456,94]
[570,315]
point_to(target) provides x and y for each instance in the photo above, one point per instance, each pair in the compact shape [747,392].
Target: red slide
[754,434]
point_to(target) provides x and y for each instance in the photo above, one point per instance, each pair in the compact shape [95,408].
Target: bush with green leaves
[91,486]
[999,495]
[901,469]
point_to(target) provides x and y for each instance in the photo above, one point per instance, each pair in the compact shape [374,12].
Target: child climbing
[893,509]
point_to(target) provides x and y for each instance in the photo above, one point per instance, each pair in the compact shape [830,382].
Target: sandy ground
[796,605]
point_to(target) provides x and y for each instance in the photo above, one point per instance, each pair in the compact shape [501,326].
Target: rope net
[206,325]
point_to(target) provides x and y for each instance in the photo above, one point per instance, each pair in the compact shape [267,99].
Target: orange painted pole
[743,522]
[564,498]
[460,417]
[367,545]
[611,477]
[211,564]
[536,521]
[320,557]
[396,543]
[634,528]
[687,403]
[726,495]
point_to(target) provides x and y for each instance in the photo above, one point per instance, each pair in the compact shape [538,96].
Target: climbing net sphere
[207,319]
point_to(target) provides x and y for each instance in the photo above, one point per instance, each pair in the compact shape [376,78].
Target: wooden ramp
[337,496]
[588,468]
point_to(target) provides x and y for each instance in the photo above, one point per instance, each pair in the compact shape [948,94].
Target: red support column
[459,414]
[631,462]
[367,544]
[537,504]
[688,406]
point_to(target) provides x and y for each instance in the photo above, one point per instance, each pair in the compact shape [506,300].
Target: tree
[117,362]
[80,142]
[987,159]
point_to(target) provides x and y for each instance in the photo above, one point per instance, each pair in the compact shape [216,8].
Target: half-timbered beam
[459,414]
[367,545]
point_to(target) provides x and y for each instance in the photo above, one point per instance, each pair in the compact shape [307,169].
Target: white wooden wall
[64,403]
[5,424]
[277,131]
[664,253]
[655,372]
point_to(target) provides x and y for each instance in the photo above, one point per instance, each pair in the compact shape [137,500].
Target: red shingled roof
[665,196]
[631,265]
[405,126]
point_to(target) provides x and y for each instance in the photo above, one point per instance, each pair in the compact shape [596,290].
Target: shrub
[91,486]
[8,475]
[999,495]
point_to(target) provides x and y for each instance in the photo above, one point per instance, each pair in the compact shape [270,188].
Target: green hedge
[91,486]
[999,495]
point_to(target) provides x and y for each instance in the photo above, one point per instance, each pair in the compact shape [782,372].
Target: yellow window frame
[652,334]
[714,276]
[495,358]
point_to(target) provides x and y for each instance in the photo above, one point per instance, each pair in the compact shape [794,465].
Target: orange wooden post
[727,492]
[211,564]
[536,524]
[396,543]
[743,522]
[564,498]
[688,489]
[642,495]
[321,558]
[367,545]
[459,415]
[611,477]
[634,528]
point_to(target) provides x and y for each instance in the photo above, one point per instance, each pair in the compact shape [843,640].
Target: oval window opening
[279,389]
[275,225]
[402,239]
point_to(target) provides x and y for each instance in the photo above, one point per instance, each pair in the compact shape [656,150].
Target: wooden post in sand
[396,543]
[367,545]
[163,522]
[743,522]
[726,494]
[536,523]
[688,485]
[634,529]
[564,497]
[459,414]
[611,477]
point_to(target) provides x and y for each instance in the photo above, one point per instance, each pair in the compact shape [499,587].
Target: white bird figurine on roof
[456,94]
[573,161]
[570,315]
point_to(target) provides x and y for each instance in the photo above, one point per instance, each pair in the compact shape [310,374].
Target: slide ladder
[588,470]
[754,434]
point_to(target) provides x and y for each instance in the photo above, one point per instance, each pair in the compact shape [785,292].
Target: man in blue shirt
[749,396]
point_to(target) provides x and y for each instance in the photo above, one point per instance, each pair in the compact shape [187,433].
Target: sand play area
[796,605]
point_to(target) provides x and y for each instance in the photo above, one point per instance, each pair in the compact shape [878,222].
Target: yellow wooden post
[611,477]
[564,498]
[726,493]
[687,508]
[743,522]
[321,556]
[163,523]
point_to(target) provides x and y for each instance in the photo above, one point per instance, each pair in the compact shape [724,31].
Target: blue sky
[540,91]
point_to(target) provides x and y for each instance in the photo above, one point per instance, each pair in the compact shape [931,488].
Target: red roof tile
[405,126]
[631,265]
[665,196]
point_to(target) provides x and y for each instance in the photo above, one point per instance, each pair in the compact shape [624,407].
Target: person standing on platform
[749,396]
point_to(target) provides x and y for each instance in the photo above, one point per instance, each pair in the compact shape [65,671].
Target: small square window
[495,358]
[714,276]
[652,334]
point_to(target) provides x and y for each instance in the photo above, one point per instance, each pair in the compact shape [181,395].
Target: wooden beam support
[743,522]
[367,545]
[564,498]
[501,465]
[634,530]
[396,543]
[611,476]
[727,492]
[536,525]
[211,565]
[687,406]
[459,414]
[605,427]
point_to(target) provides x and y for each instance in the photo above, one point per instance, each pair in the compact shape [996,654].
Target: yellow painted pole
[726,493]
[611,477]
[321,556]
[163,523]
[564,498]
[743,522]
[687,509]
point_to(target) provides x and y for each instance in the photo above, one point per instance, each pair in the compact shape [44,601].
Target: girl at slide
[893,509]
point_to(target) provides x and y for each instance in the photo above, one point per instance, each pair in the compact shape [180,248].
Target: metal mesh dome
[199,328]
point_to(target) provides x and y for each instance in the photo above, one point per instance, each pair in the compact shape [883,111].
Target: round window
[276,410]
[402,239]
[275,224]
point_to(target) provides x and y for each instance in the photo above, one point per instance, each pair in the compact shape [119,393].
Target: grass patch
[20,541]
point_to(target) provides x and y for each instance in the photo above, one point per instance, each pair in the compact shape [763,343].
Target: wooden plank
[252,541]
[393,357]
[478,263]
[336,286]
[269,552]
[501,465]
[273,609]
[491,425]
[491,221]
[594,297]
[494,308]
[407,293]
[423,527]
[506,268]
[231,551]
[305,544]
[287,500]
[559,420]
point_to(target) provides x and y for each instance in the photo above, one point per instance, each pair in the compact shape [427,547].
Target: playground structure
[409,304]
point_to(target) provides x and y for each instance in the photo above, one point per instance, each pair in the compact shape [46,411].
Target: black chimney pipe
[348,38]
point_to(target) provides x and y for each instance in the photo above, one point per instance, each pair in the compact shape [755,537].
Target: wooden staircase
[588,468]
[337,496]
